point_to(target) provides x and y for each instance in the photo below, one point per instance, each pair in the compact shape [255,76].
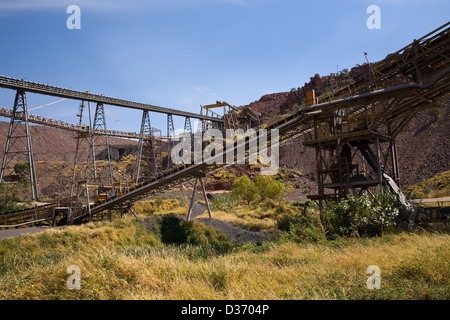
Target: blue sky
[186,53]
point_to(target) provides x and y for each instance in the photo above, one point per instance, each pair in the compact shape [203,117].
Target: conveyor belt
[29,86]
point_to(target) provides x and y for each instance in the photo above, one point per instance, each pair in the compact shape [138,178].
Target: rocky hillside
[53,144]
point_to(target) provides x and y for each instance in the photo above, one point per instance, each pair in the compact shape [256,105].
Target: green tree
[261,188]
[269,188]
[245,189]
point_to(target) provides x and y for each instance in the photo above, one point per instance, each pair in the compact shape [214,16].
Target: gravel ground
[236,235]
[17,232]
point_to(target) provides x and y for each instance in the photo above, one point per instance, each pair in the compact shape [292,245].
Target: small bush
[224,175]
[174,230]
[269,188]
[22,169]
[224,202]
[362,215]
[9,197]
[299,227]
[261,188]
[245,189]
[206,236]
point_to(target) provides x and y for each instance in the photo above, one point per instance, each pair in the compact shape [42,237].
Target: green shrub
[362,215]
[300,227]
[269,188]
[174,230]
[224,202]
[245,189]
[9,197]
[22,169]
[206,236]
[258,189]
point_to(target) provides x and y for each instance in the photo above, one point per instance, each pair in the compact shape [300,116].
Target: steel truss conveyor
[29,86]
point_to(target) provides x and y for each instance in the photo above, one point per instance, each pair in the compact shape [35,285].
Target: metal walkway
[69,126]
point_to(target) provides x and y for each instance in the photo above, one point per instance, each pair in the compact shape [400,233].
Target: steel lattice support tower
[170,131]
[82,149]
[146,138]
[99,123]
[18,143]
[187,125]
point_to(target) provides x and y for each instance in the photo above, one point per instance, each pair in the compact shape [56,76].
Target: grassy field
[123,260]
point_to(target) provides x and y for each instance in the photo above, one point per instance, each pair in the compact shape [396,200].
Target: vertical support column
[187,125]
[191,205]
[395,170]
[19,115]
[146,134]
[194,190]
[321,191]
[205,197]
[378,153]
[82,140]
[99,123]
[88,204]
[170,130]
[341,192]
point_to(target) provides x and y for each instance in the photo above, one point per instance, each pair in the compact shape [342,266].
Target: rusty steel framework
[355,145]
[81,150]
[18,146]
[232,117]
[353,131]
[146,139]
[90,133]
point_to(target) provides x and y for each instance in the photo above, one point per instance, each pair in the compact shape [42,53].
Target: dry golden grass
[161,206]
[246,218]
[120,260]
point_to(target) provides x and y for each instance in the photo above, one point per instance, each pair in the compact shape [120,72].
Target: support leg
[205,197]
[192,200]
